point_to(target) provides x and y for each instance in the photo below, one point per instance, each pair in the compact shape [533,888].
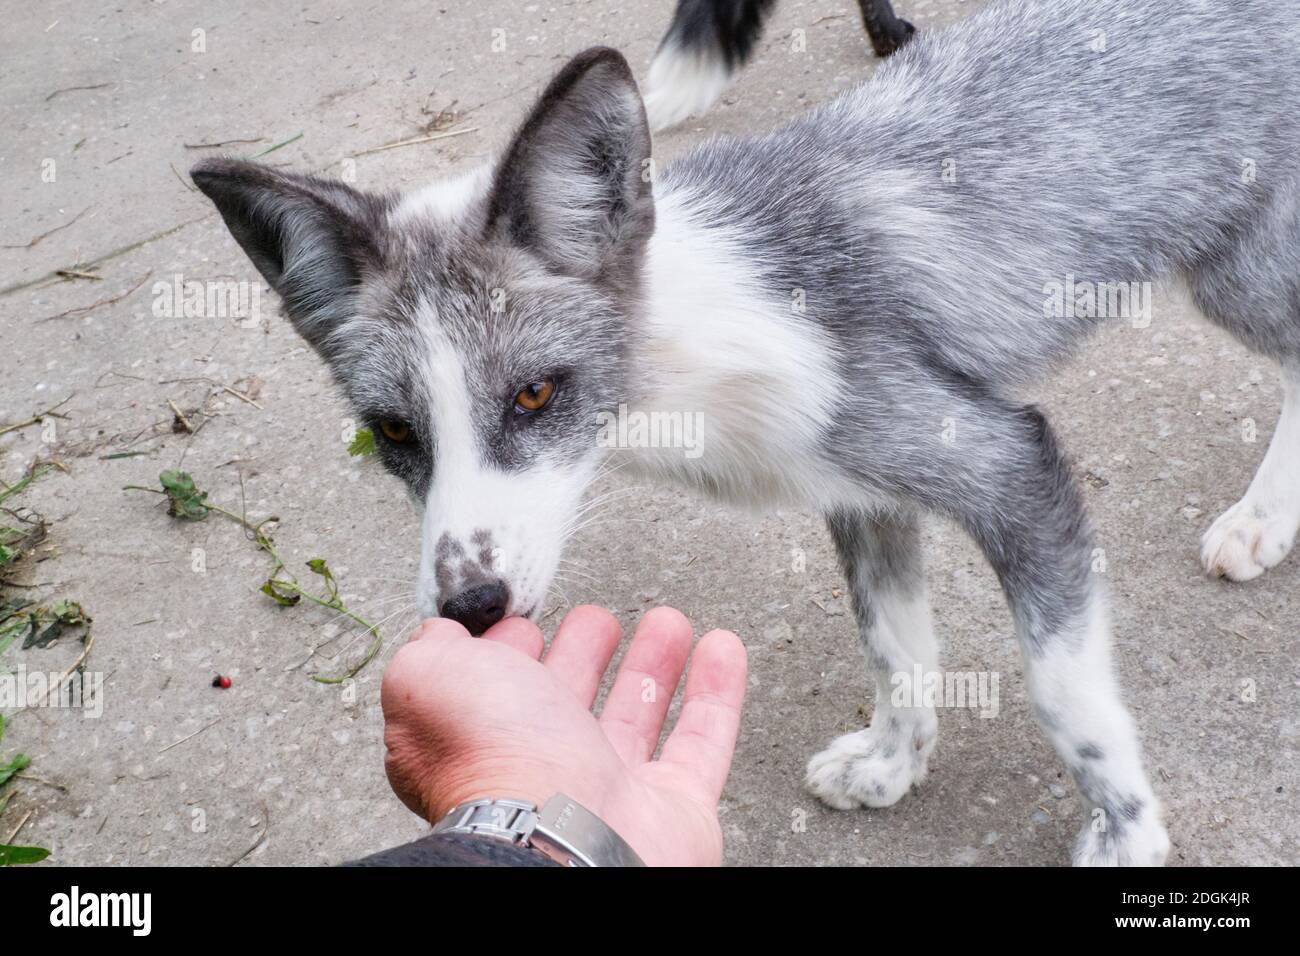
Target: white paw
[1140,842]
[1246,541]
[869,768]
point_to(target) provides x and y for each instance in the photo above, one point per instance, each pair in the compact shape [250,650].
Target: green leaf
[363,443]
[31,625]
[11,490]
[20,855]
[281,592]
[186,501]
[318,566]
[16,766]
[39,627]
[11,607]
[48,623]
[12,628]
[69,613]
[43,638]
[16,543]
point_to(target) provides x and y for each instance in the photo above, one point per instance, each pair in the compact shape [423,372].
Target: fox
[854,305]
[709,41]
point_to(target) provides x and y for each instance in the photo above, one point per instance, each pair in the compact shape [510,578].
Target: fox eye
[534,396]
[396,432]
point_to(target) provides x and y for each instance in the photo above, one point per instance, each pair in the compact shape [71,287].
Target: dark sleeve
[455,849]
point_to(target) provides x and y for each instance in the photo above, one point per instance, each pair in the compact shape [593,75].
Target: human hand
[470,718]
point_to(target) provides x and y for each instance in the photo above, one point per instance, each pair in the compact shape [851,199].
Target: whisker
[594,579]
[603,519]
[378,629]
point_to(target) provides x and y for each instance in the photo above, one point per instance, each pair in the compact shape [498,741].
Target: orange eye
[396,432]
[534,397]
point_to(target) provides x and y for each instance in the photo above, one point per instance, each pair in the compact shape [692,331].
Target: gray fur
[1112,166]
[314,240]
[878,553]
[923,215]
[494,281]
[574,188]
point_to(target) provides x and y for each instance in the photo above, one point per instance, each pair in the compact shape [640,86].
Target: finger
[581,650]
[704,738]
[520,633]
[638,702]
[438,627]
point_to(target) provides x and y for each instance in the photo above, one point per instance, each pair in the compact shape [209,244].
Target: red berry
[221,680]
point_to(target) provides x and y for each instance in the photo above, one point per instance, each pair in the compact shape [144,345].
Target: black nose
[479,607]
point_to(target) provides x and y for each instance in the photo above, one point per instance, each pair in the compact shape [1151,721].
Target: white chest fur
[749,378]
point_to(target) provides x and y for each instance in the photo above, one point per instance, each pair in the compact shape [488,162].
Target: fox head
[478,327]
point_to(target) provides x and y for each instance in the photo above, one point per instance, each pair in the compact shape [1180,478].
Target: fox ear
[574,186]
[312,239]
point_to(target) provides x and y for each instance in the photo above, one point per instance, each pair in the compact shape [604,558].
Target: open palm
[469,718]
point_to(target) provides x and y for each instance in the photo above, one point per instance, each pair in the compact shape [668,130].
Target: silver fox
[709,41]
[853,304]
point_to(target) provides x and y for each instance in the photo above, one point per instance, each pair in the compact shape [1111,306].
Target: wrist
[561,828]
[451,789]
[518,778]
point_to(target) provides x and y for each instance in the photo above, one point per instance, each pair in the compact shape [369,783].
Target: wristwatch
[563,829]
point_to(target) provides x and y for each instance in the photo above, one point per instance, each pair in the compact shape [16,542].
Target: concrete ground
[103,106]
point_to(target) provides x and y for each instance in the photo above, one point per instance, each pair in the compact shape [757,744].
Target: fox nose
[479,607]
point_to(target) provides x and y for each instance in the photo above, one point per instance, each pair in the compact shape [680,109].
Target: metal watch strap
[563,829]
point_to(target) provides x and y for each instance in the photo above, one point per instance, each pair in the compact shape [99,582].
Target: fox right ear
[574,186]
[311,239]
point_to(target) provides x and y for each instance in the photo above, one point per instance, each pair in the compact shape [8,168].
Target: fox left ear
[574,188]
[312,239]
